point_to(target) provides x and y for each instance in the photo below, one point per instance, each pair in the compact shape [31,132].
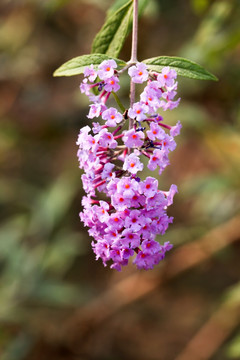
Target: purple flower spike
[125,225]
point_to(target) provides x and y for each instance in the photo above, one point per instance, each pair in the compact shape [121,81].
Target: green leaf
[183,67]
[77,65]
[121,107]
[119,3]
[115,7]
[111,37]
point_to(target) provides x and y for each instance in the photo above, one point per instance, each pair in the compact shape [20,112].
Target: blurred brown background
[56,301]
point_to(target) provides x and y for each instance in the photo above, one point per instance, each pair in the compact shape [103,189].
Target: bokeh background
[56,301]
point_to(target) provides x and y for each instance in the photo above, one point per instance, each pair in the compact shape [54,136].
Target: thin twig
[134,32]
[133,54]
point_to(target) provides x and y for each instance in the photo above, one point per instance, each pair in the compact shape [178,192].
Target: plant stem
[134,32]
[133,54]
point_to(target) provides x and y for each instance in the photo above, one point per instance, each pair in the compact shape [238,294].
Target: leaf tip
[57,72]
[214,78]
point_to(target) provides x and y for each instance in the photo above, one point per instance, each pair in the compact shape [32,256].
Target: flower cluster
[134,211]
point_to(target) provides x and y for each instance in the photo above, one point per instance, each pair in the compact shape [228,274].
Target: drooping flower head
[134,211]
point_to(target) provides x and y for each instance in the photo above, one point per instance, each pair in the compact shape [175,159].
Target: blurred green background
[56,301]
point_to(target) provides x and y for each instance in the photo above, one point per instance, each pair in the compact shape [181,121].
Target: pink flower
[167,246]
[130,238]
[157,200]
[155,88]
[96,127]
[138,73]
[85,87]
[158,158]
[137,200]
[107,171]
[175,130]
[167,77]
[168,143]
[169,105]
[146,261]
[102,211]
[106,69]
[126,253]
[170,194]
[112,117]
[155,132]
[149,187]
[95,110]
[116,255]
[127,187]
[146,227]
[91,73]
[120,202]
[138,111]
[115,221]
[132,164]
[133,221]
[150,98]
[105,139]
[112,186]
[133,138]
[111,84]
[82,135]
[150,247]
